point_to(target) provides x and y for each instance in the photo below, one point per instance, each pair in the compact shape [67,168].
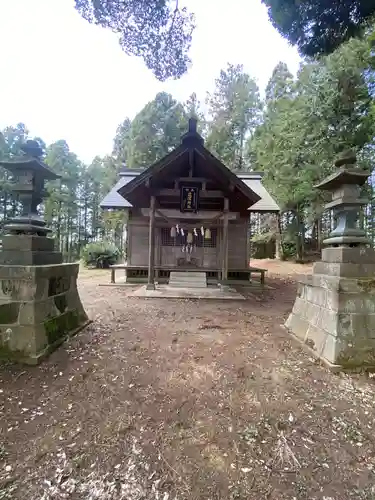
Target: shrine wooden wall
[138,240]
[208,257]
[237,244]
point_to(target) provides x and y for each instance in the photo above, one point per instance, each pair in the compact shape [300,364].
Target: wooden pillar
[224,272]
[248,242]
[151,246]
[157,252]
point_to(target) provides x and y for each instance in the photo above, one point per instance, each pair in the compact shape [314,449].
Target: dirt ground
[166,399]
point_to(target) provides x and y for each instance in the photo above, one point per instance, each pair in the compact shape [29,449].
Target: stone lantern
[334,312]
[25,240]
[39,301]
[346,202]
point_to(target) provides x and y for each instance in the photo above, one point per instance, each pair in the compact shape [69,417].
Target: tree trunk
[278,238]
[300,234]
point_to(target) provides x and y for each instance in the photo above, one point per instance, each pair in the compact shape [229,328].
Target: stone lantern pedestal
[334,312]
[39,301]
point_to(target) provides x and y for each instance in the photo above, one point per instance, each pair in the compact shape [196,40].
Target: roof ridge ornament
[192,127]
[192,136]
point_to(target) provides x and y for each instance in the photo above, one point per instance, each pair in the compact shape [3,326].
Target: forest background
[292,134]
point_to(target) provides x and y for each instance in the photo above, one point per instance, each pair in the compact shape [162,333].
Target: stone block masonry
[39,307]
[336,318]
[28,250]
[334,312]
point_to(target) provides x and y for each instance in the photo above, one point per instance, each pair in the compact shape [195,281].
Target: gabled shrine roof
[130,189]
[248,184]
[113,200]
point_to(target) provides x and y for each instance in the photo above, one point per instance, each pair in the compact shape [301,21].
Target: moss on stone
[356,357]
[60,326]
[60,302]
[7,355]
[9,313]
[310,343]
[367,285]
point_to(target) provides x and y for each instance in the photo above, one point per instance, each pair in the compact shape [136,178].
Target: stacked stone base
[334,312]
[28,250]
[39,308]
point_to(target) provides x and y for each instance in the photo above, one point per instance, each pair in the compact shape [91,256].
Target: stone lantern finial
[347,157]
[32,148]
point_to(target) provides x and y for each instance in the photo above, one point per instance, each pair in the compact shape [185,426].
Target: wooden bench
[113,271]
[258,270]
[140,269]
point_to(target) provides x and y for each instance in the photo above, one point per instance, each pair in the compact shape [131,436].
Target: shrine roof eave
[149,172]
[266,204]
[258,210]
[31,164]
[233,179]
[114,200]
[127,190]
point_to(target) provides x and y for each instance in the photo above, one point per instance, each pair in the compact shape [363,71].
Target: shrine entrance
[188,247]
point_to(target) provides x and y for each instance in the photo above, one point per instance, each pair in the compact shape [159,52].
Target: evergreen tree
[121,142]
[193,109]
[156,130]
[235,111]
[307,122]
[61,207]
[319,26]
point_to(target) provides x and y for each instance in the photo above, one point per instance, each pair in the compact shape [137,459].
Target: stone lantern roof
[31,161]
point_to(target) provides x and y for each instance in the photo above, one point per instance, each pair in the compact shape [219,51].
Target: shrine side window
[179,240]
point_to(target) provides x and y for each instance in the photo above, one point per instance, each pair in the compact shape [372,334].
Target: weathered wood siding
[209,258]
[237,246]
[138,241]
[169,255]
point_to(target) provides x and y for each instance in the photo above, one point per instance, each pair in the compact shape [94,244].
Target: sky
[66,79]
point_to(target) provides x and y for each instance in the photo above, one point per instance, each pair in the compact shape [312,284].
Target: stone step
[188,274]
[188,279]
[185,284]
[194,275]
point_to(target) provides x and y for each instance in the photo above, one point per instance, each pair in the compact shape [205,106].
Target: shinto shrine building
[188,212]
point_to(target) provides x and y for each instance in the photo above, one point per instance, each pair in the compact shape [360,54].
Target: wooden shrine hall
[188,218]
